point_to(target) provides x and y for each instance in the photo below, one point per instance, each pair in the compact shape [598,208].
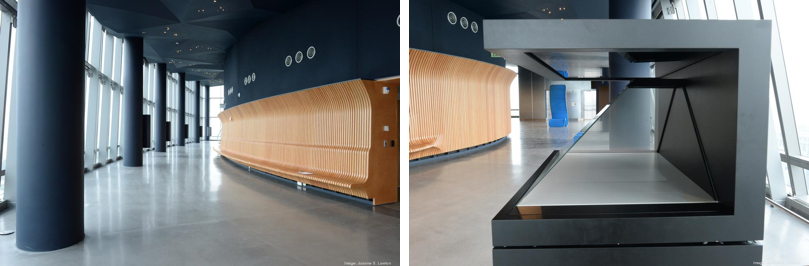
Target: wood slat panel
[456,103]
[331,137]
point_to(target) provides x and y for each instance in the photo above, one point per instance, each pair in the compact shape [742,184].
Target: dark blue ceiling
[538,9]
[191,36]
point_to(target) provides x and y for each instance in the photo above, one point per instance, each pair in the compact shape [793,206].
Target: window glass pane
[515,93]
[725,9]
[792,22]
[218,92]
[806,173]
[9,87]
[785,170]
[776,121]
[217,98]
[214,109]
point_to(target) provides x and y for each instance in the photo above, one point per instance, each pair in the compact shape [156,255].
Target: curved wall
[456,103]
[342,137]
[353,39]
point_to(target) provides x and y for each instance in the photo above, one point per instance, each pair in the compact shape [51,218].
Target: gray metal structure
[724,65]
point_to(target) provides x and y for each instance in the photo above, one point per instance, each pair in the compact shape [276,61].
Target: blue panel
[560,122]
[558,106]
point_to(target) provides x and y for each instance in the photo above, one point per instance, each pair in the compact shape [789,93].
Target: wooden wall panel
[331,137]
[456,103]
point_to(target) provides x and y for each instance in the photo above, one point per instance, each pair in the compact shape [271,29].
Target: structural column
[50,136]
[629,124]
[133,101]
[181,109]
[197,102]
[207,112]
[160,108]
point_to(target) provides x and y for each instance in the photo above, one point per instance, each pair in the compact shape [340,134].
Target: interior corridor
[190,206]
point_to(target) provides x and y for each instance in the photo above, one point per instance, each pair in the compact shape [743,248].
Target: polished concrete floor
[191,207]
[453,200]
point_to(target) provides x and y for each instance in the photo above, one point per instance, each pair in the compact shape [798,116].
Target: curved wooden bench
[331,137]
[456,103]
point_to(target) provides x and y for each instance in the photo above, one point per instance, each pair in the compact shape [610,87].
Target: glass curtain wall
[215,107]
[103,93]
[8,36]
[789,115]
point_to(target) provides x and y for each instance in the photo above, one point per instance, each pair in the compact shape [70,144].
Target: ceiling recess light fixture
[298,57]
[464,23]
[474,27]
[310,53]
[452,18]
[288,61]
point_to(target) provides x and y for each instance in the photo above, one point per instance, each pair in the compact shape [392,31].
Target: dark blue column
[207,112]
[181,109]
[50,171]
[160,108]
[197,102]
[133,101]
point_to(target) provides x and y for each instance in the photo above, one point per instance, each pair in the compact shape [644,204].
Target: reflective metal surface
[614,178]
[191,207]
[453,201]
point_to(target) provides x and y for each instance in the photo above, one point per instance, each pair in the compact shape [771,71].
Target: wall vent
[452,18]
[310,53]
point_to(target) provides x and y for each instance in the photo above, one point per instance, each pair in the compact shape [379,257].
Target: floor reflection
[190,207]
